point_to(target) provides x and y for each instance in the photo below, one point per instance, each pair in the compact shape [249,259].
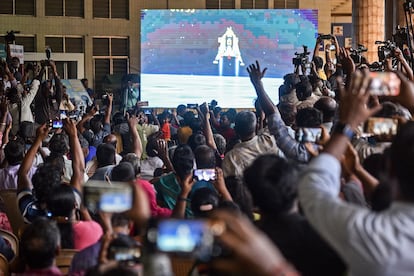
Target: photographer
[47,102]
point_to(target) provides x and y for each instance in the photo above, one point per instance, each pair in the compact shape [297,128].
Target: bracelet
[182,199]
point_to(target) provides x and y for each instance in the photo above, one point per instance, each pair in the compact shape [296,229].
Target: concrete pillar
[368,17]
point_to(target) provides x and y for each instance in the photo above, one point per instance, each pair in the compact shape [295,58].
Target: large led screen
[192,56]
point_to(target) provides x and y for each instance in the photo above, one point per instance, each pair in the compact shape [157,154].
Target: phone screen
[205,174]
[57,124]
[384,84]
[382,126]
[182,236]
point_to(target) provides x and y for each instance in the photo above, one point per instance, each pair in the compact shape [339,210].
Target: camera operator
[398,55]
[47,102]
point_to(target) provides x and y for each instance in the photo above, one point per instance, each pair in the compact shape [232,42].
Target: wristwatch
[344,129]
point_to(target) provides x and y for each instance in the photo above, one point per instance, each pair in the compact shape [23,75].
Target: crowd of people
[301,188]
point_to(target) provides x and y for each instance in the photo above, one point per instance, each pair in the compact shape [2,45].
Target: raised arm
[290,147]
[4,109]
[78,161]
[181,202]
[208,132]
[108,111]
[58,84]
[85,118]
[23,181]
[136,140]
[400,57]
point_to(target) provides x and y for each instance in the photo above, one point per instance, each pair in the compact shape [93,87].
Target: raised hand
[42,132]
[70,127]
[347,62]
[255,73]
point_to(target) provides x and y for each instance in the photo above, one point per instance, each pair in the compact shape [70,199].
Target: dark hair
[389,110]
[134,160]
[39,242]
[220,142]
[327,106]
[187,118]
[287,112]
[196,124]
[119,220]
[151,147]
[290,81]
[402,159]
[308,117]
[14,152]
[123,172]
[96,124]
[105,155]
[195,140]
[318,62]
[47,177]
[201,198]
[59,144]
[303,90]
[183,160]
[61,204]
[272,183]
[205,157]
[240,195]
[181,108]
[245,124]
[57,162]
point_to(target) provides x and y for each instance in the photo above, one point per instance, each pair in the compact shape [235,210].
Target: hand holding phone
[205,174]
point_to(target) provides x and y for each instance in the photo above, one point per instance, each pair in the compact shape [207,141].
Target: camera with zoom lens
[385,49]
[302,58]
[356,54]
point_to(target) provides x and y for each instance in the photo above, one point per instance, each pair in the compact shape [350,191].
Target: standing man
[130,95]
[47,101]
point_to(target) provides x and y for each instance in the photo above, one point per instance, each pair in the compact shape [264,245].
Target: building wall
[89,27]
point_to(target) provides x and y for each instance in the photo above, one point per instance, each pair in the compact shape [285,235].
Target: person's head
[181,109]
[245,125]
[134,160]
[188,116]
[110,139]
[303,90]
[203,201]
[318,62]
[123,242]
[59,144]
[47,177]
[389,110]
[14,152]
[40,243]
[216,111]
[183,161]
[120,223]
[402,160]
[220,142]
[96,124]
[328,107]
[196,124]
[195,140]
[308,117]
[225,120]
[62,205]
[290,81]
[15,62]
[240,195]
[124,172]
[85,83]
[287,112]
[13,95]
[272,183]
[45,88]
[205,157]
[105,155]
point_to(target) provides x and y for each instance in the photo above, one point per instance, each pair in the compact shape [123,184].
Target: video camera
[356,54]
[302,58]
[385,49]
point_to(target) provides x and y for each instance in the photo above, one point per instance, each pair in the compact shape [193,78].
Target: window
[111,57]
[28,42]
[111,9]
[64,8]
[17,7]
[286,4]
[220,4]
[65,44]
[254,4]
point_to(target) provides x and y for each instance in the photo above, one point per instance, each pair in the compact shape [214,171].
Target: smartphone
[114,197]
[205,174]
[55,124]
[192,106]
[382,126]
[384,84]
[186,238]
[308,134]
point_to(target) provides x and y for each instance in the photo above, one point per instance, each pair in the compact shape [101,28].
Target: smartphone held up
[384,84]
